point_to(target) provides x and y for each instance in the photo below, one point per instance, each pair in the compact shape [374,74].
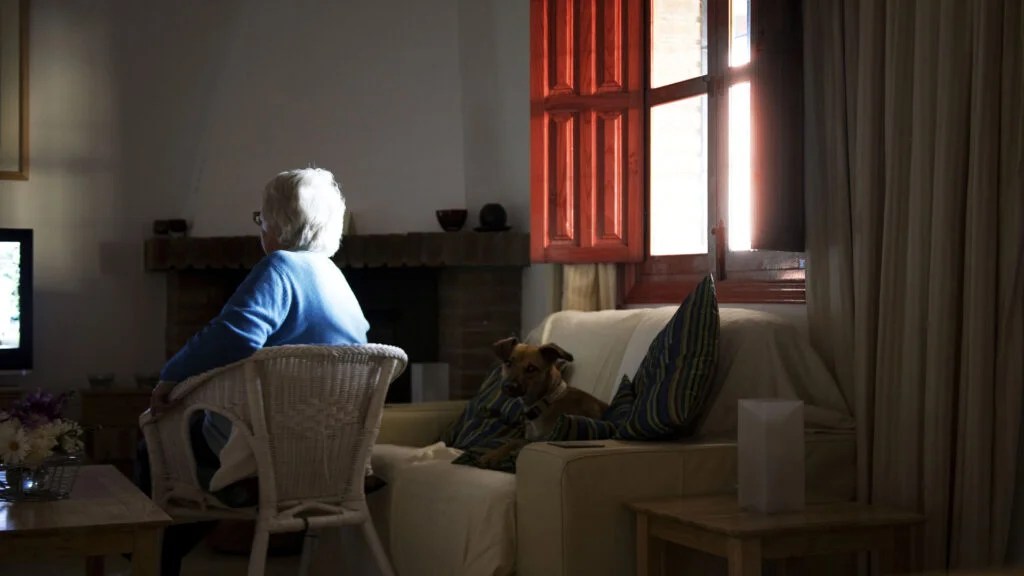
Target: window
[647,148]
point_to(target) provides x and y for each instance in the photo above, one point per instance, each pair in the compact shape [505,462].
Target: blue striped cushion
[488,415]
[674,380]
[490,419]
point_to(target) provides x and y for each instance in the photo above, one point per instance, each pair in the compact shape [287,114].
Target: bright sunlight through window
[739,167]
[679,132]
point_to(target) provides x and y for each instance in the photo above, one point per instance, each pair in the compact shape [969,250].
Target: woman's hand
[161,398]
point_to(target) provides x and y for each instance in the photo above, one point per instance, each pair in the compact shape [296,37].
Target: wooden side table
[717,525]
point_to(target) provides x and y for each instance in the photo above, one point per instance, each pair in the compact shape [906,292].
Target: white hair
[305,210]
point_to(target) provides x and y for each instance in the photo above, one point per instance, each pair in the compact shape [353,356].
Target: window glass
[679,40]
[679,177]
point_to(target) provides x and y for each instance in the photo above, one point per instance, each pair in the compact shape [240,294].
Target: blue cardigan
[288,298]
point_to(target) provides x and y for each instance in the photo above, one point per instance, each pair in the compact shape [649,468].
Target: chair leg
[258,556]
[309,543]
[373,541]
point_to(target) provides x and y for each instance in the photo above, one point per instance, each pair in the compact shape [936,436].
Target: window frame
[589,140]
[741,276]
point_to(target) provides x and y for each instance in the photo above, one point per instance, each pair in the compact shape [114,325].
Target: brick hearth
[441,296]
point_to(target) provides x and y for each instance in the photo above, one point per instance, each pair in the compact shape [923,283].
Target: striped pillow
[489,420]
[490,415]
[674,380]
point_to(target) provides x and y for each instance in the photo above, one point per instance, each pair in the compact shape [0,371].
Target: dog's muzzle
[511,388]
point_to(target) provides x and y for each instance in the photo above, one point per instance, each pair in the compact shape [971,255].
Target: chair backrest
[316,412]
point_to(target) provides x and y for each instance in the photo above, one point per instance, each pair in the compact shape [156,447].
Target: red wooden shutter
[586,147]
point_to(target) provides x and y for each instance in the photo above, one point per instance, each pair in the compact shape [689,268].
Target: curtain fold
[589,287]
[915,218]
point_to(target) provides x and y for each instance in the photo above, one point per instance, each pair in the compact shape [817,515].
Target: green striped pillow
[674,380]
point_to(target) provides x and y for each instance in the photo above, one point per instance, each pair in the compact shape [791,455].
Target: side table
[717,525]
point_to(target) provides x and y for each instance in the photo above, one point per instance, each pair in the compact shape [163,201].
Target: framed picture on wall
[14,89]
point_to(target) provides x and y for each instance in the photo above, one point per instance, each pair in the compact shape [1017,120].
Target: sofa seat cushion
[447,519]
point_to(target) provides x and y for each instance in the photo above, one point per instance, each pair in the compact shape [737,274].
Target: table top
[102,498]
[722,515]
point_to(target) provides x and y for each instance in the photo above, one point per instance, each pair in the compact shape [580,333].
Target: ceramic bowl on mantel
[452,220]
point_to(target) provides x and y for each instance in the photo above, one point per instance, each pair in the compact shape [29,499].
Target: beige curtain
[588,287]
[914,162]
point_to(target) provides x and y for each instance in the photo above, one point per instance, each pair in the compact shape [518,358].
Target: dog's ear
[503,348]
[552,352]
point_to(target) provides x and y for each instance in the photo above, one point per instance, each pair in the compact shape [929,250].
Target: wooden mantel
[416,249]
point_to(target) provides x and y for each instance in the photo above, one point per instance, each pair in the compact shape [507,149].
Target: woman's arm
[255,311]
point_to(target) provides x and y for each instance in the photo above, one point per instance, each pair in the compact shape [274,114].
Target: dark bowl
[452,220]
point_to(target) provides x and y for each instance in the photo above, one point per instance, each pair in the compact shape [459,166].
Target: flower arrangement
[34,431]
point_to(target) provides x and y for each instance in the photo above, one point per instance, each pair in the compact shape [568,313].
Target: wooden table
[717,525]
[105,514]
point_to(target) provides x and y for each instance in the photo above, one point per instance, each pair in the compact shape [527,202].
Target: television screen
[15,300]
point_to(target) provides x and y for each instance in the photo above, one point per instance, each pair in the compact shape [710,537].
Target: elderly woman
[294,295]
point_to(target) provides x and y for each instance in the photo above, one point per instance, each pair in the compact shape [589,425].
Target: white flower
[69,436]
[40,447]
[14,446]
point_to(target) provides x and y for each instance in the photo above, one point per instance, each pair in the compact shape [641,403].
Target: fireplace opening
[401,306]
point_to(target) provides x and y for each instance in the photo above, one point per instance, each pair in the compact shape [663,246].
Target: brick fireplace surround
[442,297]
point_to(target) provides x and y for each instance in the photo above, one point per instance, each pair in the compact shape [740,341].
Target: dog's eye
[507,363]
[531,368]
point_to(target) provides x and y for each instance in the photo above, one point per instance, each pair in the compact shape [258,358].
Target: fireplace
[441,297]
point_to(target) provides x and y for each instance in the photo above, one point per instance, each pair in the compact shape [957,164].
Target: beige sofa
[563,511]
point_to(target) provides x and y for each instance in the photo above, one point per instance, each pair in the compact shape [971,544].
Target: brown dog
[531,373]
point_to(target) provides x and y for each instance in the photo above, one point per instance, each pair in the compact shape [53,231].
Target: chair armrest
[417,424]
[184,393]
[571,516]
[173,469]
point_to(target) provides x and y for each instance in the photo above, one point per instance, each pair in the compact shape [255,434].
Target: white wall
[146,110]
[494,49]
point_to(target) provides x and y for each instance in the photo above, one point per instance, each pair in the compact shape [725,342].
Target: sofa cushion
[448,519]
[596,340]
[674,379]
[766,354]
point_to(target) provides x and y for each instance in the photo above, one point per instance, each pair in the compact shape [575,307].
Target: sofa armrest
[418,424]
[570,503]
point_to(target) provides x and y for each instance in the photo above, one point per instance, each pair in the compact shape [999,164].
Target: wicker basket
[53,480]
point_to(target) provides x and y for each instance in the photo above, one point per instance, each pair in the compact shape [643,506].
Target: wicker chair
[310,414]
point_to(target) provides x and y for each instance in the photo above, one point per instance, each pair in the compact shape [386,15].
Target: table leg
[146,553]
[744,557]
[95,566]
[650,552]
